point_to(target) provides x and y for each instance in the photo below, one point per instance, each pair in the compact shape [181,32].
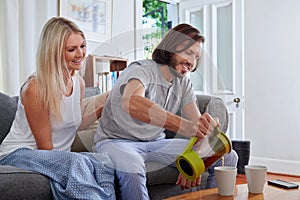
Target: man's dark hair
[179,35]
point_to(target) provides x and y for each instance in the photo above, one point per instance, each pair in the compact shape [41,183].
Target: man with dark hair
[144,102]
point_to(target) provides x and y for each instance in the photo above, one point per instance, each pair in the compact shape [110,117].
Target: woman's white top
[63,131]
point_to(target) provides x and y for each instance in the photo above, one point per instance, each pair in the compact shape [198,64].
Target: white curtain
[10,46]
[21,23]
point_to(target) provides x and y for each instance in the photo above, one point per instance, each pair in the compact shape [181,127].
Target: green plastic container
[198,156]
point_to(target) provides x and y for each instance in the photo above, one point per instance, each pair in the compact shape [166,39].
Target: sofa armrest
[215,107]
[8,108]
[212,105]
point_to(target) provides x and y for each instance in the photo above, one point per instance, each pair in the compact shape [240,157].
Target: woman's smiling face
[75,50]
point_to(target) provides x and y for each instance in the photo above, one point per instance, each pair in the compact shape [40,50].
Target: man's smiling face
[186,60]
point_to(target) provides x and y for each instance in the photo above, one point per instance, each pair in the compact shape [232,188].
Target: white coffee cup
[225,178]
[256,178]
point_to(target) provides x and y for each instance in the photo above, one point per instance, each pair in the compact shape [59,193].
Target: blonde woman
[48,116]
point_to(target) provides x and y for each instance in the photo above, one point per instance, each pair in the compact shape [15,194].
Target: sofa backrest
[213,105]
[8,108]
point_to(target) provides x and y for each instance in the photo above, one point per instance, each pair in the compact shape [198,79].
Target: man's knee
[231,159]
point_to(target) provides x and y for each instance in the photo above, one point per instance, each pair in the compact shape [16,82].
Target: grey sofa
[20,184]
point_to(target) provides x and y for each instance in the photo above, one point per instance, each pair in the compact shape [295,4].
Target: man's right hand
[200,127]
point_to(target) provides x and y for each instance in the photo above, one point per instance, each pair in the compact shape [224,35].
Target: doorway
[222,70]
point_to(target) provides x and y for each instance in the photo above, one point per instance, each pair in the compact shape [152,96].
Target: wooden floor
[241,178]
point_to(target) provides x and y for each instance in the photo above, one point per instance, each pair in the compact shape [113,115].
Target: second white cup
[256,178]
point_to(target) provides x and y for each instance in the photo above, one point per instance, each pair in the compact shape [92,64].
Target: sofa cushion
[159,174]
[91,91]
[8,108]
[161,181]
[21,184]
[84,139]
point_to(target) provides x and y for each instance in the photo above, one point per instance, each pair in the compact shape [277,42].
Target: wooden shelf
[91,69]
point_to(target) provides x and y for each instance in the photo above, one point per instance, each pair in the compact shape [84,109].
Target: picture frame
[94,17]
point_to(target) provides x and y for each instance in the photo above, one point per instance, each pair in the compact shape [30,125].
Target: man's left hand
[186,184]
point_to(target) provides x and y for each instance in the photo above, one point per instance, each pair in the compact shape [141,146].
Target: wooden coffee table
[241,193]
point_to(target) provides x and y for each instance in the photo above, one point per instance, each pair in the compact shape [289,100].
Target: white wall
[123,26]
[123,31]
[272,80]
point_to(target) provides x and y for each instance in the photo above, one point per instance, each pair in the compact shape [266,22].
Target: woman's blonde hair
[52,71]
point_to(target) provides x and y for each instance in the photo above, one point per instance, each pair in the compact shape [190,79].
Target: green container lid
[190,165]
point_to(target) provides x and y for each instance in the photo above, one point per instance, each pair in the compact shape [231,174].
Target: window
[155,24]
